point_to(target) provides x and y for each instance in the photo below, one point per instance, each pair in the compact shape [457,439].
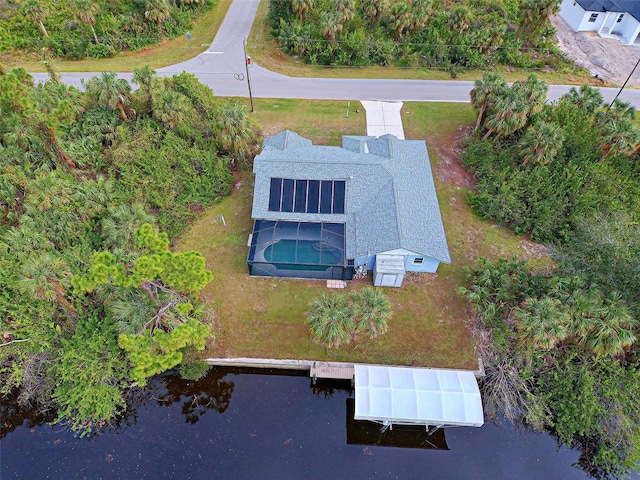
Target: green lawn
[265,317]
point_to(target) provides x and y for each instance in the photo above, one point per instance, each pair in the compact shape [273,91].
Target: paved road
[222,68]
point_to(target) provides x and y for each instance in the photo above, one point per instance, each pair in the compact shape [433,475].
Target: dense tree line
[77,29]
[93,185]
[560,348]
[430,33]
[543,169]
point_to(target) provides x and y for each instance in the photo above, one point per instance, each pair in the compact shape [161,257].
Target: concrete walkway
[383,118]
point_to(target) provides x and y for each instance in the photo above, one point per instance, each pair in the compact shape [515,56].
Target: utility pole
[246,66]
[624,84]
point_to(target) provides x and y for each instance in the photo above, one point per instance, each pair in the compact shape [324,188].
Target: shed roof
[391,200]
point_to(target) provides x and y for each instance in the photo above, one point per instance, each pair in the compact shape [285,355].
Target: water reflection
[368,433]
[266,425]
[212,392]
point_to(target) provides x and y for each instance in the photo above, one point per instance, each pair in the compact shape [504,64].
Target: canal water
[238,424]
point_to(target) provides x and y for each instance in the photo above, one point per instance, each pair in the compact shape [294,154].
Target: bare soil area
[606,57]
[450,168]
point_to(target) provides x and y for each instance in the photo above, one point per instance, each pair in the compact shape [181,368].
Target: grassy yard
[265,317]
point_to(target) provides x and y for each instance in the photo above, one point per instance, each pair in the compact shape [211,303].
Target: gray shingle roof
[391,200]
[631,7]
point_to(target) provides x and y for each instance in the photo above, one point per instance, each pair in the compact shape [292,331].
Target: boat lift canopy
[417,396]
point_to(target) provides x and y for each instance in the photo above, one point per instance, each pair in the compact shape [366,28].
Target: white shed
[389,271]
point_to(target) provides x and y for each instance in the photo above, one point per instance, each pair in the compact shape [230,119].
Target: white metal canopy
[417,396]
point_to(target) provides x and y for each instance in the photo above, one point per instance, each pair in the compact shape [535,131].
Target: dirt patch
[452,171]
[533,249]
[606,57]
[450,168]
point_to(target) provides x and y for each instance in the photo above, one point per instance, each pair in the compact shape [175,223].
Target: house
[618,19]
[326,212]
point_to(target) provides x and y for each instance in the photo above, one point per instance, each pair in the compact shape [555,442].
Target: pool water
[310,252]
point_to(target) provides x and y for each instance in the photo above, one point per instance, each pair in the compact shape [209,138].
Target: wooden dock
[333,371]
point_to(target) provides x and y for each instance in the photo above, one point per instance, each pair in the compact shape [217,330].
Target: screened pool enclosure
[298,250]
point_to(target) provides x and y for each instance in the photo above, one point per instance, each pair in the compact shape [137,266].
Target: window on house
[418,261]
[620,17]
[593,17]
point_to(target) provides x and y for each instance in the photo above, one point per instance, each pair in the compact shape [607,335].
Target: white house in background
[619,19]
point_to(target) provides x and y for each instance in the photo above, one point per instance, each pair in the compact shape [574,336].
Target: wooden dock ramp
[331,370]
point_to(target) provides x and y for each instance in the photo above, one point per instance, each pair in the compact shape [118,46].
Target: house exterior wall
[428,265]
[572,13]
[587,26]
[628,28]
[578,20]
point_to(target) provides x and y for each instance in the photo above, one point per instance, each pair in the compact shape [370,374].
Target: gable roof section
[391,200]
[287,139]
[631,7]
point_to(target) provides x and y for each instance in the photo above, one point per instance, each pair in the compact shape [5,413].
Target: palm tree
[236,132]
[330,320]
[376,9]
[586,98]
[532,92]
[540,143]
[621,109]
[485,93]
[157,11]
[345,8]
[35,10]
[419,14]
[400,19]
[618,137]
[584,308]
[613,331]
[508,114]
[110,91]
[145,78]
[45,277]
[171,108]
[120,224]
[460,19]
[301,7]
[534,15]
[84,10]
[372,311]
[330,25]
[541,323]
